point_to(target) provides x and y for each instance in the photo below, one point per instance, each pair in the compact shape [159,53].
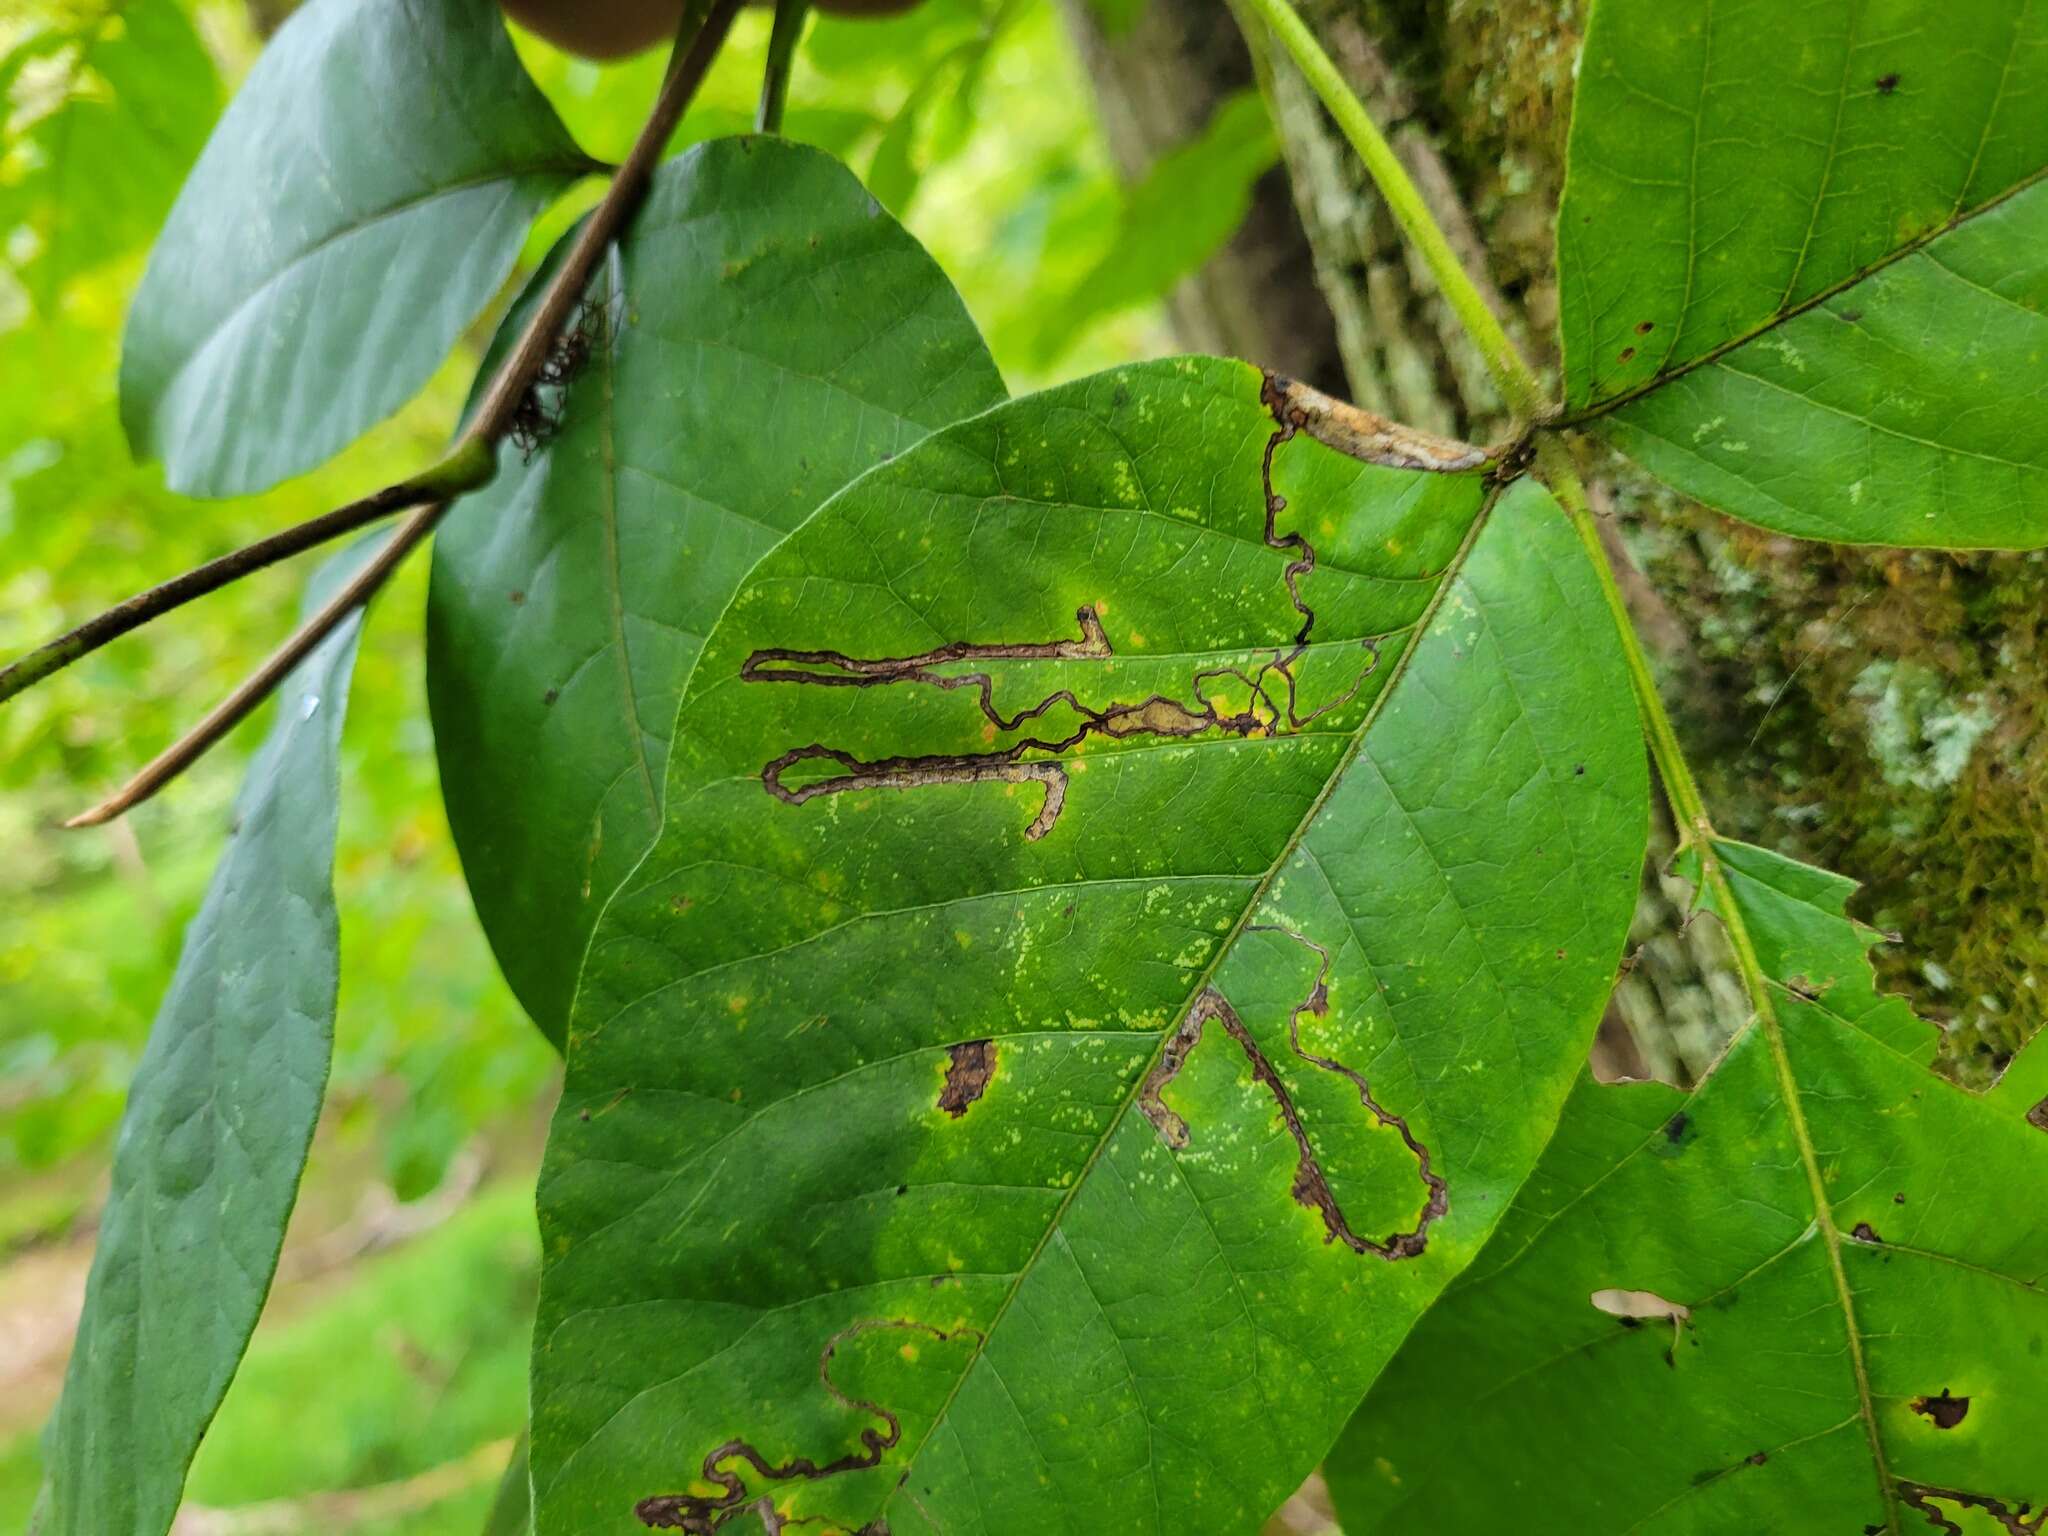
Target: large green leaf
[116,119]
[1859,1251]
[1035,1081]
[763,335]
[363,197]
[1804,261]
[221,1112]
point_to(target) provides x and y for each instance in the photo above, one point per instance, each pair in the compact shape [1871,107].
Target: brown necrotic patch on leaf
[2037,1117]
[1943,1411]
[724,1466]
[1272,704]
[972,1064]
[1311,1186]
[2016,1519]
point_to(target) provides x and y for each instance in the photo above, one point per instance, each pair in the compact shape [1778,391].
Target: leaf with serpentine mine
[1136,886]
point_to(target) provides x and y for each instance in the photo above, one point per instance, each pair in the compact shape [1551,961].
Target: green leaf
[987,1128]
[763,335]
[221,1112]
[1861,1345]
[1803,258]
[106,117]
[363,197]
[511,1511]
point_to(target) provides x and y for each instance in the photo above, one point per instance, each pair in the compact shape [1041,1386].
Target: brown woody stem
[463,470]
[701,33]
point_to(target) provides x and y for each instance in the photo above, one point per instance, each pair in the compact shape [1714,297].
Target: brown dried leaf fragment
[1362,435]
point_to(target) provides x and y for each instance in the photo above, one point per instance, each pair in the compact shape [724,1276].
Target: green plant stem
[698,38]
[1696,829]
[1512,375]
[782,41]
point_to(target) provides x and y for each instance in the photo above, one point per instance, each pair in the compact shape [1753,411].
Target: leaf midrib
[1584,414]
[1288,846]
[1767,1020]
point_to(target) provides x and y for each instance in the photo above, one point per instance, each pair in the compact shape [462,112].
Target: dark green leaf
[117,119]
[511,1512]
[363,197]
[764,334]
[1804,261]
[991,1130]
[214,1137]
[1861,1346]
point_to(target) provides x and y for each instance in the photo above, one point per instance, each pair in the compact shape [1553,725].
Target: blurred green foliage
[970,118]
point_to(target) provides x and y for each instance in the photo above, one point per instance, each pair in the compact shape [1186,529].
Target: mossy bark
[1876,711]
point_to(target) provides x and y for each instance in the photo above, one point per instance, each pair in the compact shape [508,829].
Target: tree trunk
[1879,712]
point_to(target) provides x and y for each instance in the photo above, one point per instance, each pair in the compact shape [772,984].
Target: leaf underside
[215,1133]
[762,335]
[1911,1393]
[1803,261]
[967,1134]
[328,249]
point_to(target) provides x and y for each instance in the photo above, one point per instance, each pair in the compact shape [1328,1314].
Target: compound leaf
[1135,887]
[215,1133]
[362,198]
[1810,1295]
[1803,258]
[761,336]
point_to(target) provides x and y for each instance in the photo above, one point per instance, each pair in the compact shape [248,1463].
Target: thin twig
[782,40]
[698,39]
[458,472]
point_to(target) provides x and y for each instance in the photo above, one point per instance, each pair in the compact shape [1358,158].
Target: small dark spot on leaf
[1886,84]
[516,597]
[2037,1117]
[1560,954]
[1852,315]
[681,903]
[1578,770]
[1628,354]
[584,1116]
[1645,327]
[1899,1198]
[1864,1232]
[551,695]
[1675,1127]
[973,1064]
[1945,1411]
[1757,1458]
[902,1189]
